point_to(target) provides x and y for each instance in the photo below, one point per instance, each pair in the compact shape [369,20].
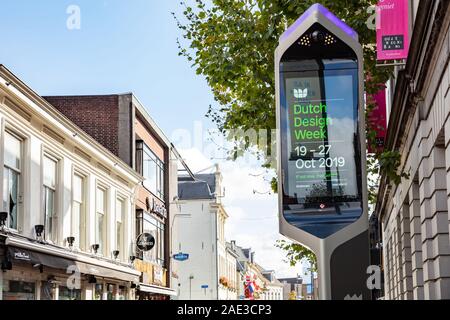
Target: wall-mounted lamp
[116,254]
[40,267]
[39,229]
[132,258]
[95,247]
[70,241]
[92,279]
[3,217]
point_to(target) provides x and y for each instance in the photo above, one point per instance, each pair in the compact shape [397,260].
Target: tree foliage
[296,252]
[232,44]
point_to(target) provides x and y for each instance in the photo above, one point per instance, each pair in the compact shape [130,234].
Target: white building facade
[209,273]
[273,287]
[68,204]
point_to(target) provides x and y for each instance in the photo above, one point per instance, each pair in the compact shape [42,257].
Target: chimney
[233,244]
[252,257]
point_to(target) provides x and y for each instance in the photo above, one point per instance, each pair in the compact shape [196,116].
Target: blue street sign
[204,286]
[181,256]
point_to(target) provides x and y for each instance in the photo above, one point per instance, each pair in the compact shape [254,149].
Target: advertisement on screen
[321,150]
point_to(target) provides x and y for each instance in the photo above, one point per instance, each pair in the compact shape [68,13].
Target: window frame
[81,233]
[123,219]
[102,250]
[18,171]
[159,174]
[53,236]
[158,251]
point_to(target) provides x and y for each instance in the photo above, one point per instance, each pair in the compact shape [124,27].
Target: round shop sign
[145,242]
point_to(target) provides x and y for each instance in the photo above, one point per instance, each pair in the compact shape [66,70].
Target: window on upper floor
[120,219]
[100,219]
[50,166]
[79,226]
[151,168]
[12,177]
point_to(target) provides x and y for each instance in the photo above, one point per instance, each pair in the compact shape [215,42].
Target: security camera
[318,36]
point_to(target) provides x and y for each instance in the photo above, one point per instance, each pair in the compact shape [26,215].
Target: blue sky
[125,46]
[122,46]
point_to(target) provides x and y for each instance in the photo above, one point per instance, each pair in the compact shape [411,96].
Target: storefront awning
[38,258]
[26,251]
[157,289]
[104,272]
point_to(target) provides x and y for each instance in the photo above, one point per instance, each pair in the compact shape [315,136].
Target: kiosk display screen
[320,146]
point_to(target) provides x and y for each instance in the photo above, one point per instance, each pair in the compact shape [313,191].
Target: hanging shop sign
[392,29]
[145,241]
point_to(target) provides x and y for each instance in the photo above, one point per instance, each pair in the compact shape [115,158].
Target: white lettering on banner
[22,256]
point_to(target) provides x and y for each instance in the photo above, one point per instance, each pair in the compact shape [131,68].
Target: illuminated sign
[321,148]
[321,128]
[320,134]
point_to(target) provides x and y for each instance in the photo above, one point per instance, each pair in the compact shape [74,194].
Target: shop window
[18,290]
[69,294]
[98,293]
[150,224]
[121,295]
[110,291]
[47,291]
[50,171]
[12,174]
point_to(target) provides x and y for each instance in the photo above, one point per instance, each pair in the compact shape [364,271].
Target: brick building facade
[97,115]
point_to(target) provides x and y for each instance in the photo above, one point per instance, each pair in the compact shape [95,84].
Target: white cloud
[195,159]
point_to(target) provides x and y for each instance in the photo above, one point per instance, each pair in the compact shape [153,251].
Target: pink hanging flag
[377,119]
[392,29]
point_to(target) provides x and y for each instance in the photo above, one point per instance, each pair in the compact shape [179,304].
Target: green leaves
[389,164]
[232,44]
[295,253]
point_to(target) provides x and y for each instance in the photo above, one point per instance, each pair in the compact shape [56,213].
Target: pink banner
[392,29]
[378,121]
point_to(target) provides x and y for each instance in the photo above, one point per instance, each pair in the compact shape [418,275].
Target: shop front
[152,282]
[36,271]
